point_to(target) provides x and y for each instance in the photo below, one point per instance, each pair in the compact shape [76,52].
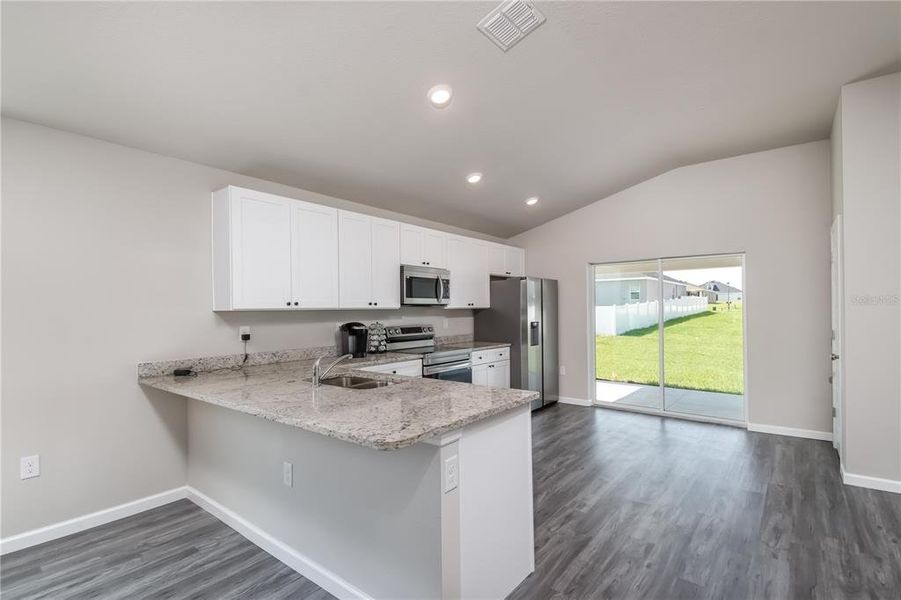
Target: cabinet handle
[376,303]
[507,272]
[287,304]
[370,304]
[296,303]
[492,366]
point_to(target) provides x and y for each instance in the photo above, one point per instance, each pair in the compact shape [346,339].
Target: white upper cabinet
[355,260]
[385,263]
[314,256]
[369,264]
[256,268]
[470,281]
[271,252]
[421,246]
[514,261]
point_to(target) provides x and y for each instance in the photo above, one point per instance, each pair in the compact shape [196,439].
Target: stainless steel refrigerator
[524,312]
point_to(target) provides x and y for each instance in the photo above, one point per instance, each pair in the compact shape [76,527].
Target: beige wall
[773,205]
[868,130]
[106,263]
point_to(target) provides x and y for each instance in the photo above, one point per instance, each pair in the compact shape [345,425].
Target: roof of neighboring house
[719,286]
[652,276]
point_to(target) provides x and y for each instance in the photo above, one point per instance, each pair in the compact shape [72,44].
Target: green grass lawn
[701,352]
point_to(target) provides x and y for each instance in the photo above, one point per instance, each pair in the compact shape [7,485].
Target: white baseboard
[576,401]
[873,483]
[811,434]
[310,569]
[101,517]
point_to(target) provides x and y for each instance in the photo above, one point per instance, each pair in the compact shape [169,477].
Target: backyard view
[703,351]
[702,316]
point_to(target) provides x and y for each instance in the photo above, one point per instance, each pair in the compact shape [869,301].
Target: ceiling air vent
[507,24]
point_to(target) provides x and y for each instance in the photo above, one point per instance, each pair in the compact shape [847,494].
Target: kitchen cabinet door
[514,261]
[495,258]
[480,276]
[314,255]
[354,260]
[411,245]
[385,263]
[459,263]
[434,248]
[499,374]
[260,250]
[481,375]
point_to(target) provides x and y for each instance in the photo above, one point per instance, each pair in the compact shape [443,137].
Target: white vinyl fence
[620,318]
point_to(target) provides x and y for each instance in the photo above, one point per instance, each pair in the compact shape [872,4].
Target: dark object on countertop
[354,337]
[183,372]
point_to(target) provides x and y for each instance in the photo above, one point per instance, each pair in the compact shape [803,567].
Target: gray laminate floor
[626,506]
[175,551]
[635,506]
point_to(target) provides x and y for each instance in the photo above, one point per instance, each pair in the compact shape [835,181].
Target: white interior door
[837,292]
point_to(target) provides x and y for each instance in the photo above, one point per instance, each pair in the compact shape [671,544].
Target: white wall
[773,205]
[106,263]
[868,129]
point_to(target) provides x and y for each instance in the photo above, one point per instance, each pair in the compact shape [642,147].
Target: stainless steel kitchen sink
[355,383]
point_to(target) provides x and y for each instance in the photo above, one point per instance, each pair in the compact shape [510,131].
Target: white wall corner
[873,483]
[810,434]
[101,517]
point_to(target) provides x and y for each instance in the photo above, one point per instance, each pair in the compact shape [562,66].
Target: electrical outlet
[288,474]
[244,331]
[451,473]
[562,370]
[30,466]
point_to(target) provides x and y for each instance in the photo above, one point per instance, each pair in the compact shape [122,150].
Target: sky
[728,275]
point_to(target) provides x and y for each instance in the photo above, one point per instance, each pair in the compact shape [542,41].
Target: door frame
[837,289]
[592,350]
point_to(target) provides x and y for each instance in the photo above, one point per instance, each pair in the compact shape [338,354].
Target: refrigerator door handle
[534,333]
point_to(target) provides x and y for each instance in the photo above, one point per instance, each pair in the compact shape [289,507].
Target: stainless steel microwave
[425,286]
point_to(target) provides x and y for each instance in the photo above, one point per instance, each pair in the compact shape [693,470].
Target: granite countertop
[395,416]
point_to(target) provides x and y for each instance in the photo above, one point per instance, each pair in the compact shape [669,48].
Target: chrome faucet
[319,374]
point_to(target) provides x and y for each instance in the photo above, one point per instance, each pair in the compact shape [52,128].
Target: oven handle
[445,368]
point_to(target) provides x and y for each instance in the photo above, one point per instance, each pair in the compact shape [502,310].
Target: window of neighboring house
[634,293]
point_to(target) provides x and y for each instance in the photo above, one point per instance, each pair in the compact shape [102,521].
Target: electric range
[438,361]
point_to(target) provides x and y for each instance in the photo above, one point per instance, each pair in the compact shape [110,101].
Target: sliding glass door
[669,336]
[627,342]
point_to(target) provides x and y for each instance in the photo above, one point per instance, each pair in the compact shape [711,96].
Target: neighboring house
[699,290]
[723,291]
[642,287]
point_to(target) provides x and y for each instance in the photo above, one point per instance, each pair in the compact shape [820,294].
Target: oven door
[427,287]
[461,372]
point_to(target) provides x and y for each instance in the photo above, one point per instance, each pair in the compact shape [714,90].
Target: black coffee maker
[354,339]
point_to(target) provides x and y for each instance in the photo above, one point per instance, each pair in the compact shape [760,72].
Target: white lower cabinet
[410,368]
[491,367]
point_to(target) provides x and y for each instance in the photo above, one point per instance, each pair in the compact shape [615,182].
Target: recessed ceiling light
[474,178]
[532,201]
[440,95]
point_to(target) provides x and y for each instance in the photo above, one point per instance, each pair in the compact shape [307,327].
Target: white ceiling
[330,97]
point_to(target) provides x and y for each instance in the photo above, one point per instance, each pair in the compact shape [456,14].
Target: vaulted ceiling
[331,96]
